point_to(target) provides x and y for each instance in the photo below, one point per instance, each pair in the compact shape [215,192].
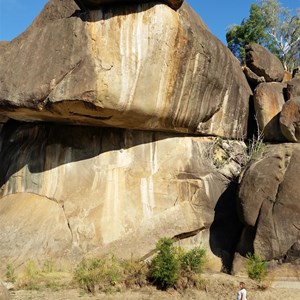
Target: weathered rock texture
[161,78]
[287,76]
[94,4]
[4,294]
[139,66]
[269,203]
[290,120]
[68,190]
[268,103]
[263,63]
[252,78]
[293,88]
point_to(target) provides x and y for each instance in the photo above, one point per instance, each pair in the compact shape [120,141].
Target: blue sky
[17,15]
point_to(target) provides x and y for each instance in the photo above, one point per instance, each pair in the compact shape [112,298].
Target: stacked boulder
[122,122]
[110,119]
[276,95]
[269,201]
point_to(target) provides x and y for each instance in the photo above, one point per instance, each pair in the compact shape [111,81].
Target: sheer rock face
[263,63]
[269,203]
[94,4]
[68,190]
[290,120]
[268,103]
[140,66]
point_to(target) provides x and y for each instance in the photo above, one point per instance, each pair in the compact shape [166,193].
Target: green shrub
[256,267]
[171,267]
[99,274]
[48,267]
[35,277]
[174,267]
[194,260]
[31,274]
[164,268]
[10,273]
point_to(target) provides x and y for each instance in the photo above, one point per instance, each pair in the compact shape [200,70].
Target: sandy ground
[217,286]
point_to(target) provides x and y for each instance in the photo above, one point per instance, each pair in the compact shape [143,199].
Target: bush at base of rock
[171,267]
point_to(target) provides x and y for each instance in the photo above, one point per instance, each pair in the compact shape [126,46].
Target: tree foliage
[165,266]
[271,26]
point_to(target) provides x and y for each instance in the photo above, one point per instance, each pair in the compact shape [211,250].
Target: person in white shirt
[242,293]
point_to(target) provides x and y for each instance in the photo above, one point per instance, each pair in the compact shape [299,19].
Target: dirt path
[217,286]
[270,294]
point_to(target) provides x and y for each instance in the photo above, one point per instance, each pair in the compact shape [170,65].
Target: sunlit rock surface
[66,191]
[140,66]
[290,120]
[268,103]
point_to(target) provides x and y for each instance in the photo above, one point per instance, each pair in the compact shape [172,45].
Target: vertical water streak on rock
[124,45]
[144,197]
[114,203]
[153,157]
[168,46]
[220,115]
[52,163]
[207,180]
[180,103]
[137,53]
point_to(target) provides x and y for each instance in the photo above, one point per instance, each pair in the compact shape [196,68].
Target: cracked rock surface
[68,190]
[269,203]
[138,66]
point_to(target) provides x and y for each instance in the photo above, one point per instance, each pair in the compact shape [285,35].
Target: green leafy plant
[256,147]
[194,260]
[164,268]
[256,267]
[30,279]
[174,267]
[102,274]
[171,267]
[35,277]
[48,266]
[10,273]
[272,26]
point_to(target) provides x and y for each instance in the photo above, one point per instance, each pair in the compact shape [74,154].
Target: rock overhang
[140,66]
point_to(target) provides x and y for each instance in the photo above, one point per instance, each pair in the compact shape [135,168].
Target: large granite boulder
[252,78]
[269,203]
[263,63]
[268,103]
[290,120]
[66,191]
[293,88]
[94,4]
[138,66]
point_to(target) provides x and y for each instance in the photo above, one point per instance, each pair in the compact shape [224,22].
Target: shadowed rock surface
[165,83]
[263,63]
[138,66]
[293,88]
[94,4]
[74,189]
[269,203]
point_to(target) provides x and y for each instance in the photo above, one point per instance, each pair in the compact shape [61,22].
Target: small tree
[256,267]
[271,26]
[164,268]
[194,260]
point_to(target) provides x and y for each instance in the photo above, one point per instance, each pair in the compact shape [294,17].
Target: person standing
[242,293]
